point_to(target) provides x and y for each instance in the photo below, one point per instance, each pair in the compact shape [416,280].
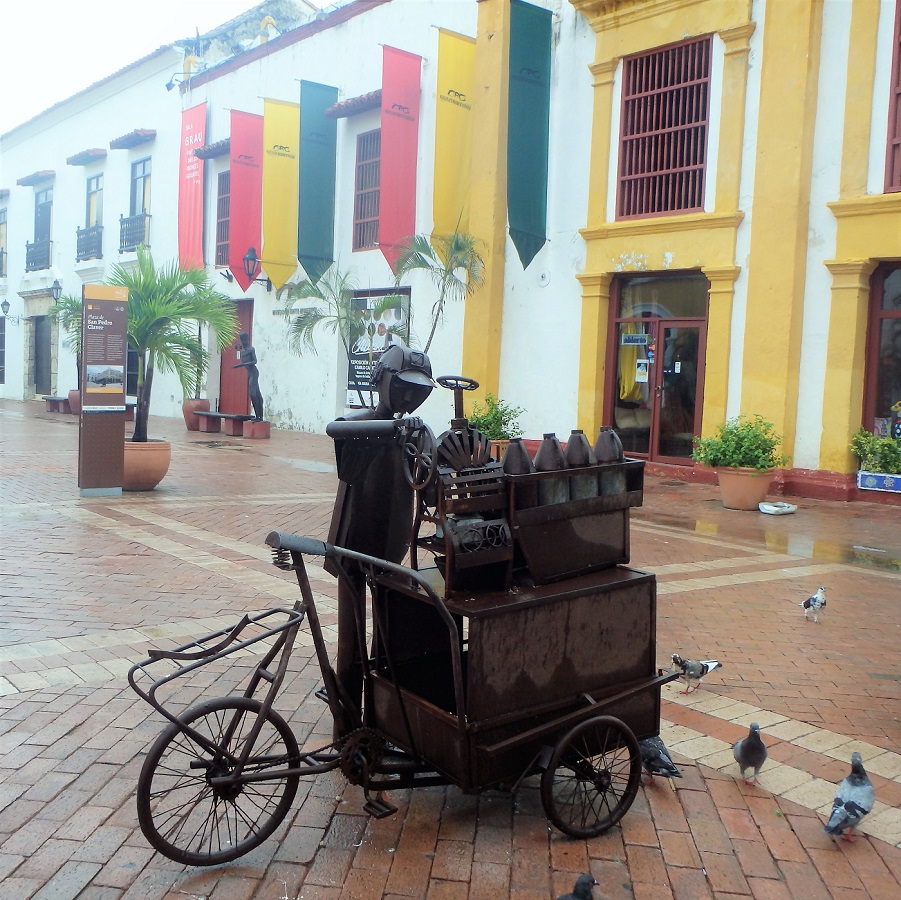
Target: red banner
[190,188]
[246,200]
[400,147]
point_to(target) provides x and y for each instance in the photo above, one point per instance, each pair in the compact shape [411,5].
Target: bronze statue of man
[249,362]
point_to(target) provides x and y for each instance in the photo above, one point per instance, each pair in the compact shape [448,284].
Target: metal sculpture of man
[249,362]
[373,510]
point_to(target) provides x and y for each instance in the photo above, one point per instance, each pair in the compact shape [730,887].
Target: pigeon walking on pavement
[855,798]
[814,603]
[694,670]
[582,890]
[655,759]
[750,753]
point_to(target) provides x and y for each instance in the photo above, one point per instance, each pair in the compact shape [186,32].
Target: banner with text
[246,191]
[190,188]
[400,147]
[281,136]
[453,132]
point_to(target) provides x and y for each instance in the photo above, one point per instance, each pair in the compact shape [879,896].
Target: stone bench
[214,422]
[57,404]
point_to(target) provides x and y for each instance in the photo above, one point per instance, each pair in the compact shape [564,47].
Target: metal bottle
[518,462]
[578,454]
[550,458]
[609,450]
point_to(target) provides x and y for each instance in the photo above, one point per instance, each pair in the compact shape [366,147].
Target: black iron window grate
[663,145]
[133,231]
[366,190]
[89,243]
[223,207]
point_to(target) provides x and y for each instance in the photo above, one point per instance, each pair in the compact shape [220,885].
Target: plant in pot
[66,312]
[165,306]
[453,262]
[744,452]
[880,461]
[334,307]
[497,420]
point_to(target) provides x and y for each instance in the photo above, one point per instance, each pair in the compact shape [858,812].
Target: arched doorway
[656,360]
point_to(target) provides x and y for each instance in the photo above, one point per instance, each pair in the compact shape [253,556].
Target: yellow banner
[453,132]
[281,139]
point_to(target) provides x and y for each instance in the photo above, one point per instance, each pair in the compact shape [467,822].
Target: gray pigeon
[855,798]
[750,753]
[582,890]
[814,603]
[694,670]
[656,760]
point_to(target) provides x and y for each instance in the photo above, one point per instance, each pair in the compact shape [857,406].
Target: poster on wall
[104,348]
[384,316]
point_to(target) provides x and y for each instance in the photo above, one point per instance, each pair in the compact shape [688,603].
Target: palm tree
[337,312]
[452,261]
[164,308]
[66,312]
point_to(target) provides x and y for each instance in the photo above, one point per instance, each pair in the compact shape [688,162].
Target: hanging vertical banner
[281,136]
[453,132]
[316,186]
[190,188]
[246,197]
[400,147]
[528,128]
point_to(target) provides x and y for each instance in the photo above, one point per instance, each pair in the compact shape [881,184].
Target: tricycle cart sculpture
[479,672]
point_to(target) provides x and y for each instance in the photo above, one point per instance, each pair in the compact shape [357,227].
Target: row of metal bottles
[578,454]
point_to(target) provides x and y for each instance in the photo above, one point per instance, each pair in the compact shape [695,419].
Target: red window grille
[366,190]
[223,206]
[893,151]
[663,140]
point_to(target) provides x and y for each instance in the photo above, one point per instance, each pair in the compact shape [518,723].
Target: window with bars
[366,190]
[663,139]
[893,151]
[223,205]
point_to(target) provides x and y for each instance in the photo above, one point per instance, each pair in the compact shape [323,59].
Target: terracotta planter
[189,407]
[75,402]
[146,464]
[743,488]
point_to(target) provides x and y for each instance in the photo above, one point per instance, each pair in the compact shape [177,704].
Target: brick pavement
[88,586]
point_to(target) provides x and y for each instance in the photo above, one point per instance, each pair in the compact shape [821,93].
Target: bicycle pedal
[378,808]
[322,694]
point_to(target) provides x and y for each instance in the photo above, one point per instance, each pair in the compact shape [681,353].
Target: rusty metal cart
[549,671]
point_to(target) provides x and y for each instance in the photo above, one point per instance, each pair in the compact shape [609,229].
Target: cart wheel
[421,457]
[592,777]
[184,816]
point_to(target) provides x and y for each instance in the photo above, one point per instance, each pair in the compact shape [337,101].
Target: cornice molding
[664,224]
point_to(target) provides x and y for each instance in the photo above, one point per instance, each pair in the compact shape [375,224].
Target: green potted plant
[497,420]
[165,306]
[744,452]
[66,312]
[880,461]
[453,262]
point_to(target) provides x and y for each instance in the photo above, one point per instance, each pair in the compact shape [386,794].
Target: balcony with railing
[37,255]
[89,243]
[133,231]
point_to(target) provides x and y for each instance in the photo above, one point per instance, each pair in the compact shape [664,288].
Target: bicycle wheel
[592,777]
[190,820]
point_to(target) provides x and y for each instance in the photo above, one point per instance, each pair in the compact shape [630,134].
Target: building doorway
[41,356]
[659,338]
[882,390]
[233,396]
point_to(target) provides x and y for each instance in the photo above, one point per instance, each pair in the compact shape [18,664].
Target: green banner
[528,127]
[316,186]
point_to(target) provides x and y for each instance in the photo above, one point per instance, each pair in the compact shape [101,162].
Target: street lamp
[56,290]
[252,267]
[4,307]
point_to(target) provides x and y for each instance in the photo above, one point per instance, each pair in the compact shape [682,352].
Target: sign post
[104,352]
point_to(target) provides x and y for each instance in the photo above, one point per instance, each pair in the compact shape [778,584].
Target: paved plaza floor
[89,586]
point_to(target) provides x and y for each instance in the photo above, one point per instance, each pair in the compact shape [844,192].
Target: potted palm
[66,312]
[165,306]
[333,308]
[880,461]
[744,453]
[453,262]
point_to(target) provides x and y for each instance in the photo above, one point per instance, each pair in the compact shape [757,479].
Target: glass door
[677,387]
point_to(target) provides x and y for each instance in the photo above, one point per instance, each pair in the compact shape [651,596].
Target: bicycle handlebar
[282,540]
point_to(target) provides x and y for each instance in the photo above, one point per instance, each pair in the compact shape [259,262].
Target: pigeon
[582,890]
[750,753]
[693,670]
[815,603]
[656,760]
[853,801]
